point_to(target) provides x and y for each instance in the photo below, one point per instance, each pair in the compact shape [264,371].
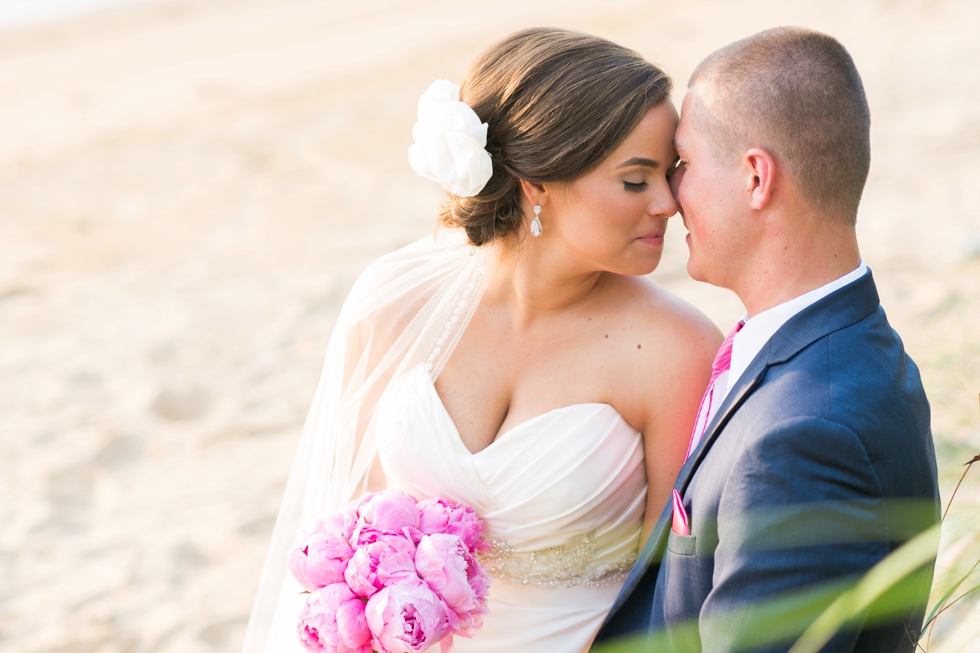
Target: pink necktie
[721,364]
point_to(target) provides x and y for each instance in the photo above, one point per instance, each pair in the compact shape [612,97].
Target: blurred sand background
[188,190]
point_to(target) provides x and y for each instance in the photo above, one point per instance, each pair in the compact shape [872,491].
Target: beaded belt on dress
[560,566]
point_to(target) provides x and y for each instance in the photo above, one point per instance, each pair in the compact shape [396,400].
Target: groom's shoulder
[859,377]
[872,379]
[867,364]
[862,365]
[853,391]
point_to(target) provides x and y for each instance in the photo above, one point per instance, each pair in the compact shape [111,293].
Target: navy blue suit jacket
[818,463]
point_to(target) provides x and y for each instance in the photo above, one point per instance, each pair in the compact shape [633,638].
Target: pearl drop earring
[536,229]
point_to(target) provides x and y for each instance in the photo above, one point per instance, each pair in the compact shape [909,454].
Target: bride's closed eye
[635,187]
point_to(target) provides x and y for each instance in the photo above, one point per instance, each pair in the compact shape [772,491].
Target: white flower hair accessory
[450,142]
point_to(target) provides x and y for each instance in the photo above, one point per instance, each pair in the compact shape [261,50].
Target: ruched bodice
[562,496]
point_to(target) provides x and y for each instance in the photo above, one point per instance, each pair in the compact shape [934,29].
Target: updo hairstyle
[556,103]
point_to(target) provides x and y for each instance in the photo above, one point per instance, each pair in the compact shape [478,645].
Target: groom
[812,457]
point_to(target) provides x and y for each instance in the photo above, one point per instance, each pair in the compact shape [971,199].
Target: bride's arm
[679,371]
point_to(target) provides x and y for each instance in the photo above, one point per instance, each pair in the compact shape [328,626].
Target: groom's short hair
[797,94]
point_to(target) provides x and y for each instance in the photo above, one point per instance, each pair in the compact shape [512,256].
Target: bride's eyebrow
[639,161]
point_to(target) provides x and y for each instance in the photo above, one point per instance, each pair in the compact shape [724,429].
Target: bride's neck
[538,281]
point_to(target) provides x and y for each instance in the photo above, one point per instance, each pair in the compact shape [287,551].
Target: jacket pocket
[682,545]
[686,582]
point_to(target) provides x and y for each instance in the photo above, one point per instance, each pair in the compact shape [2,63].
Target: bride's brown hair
[556,103]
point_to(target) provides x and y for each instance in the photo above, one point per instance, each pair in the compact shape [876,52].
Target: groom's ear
[761,169]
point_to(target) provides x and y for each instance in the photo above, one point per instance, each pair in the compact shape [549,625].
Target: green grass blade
[899,564]
[935,610]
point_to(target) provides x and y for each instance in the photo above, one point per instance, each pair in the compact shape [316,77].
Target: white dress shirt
[759,329]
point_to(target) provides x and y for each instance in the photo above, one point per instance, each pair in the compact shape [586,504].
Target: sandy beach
[188,190]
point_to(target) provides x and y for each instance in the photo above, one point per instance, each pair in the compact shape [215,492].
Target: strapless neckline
[562,498]
[437,400]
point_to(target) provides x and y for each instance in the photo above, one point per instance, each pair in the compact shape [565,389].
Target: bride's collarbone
[499,378]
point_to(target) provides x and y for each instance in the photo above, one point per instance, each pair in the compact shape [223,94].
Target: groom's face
[709,193]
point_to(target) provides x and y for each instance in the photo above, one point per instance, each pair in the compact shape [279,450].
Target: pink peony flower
[442,516]
[397,566]
[384,557]
[477,577]
[333,620]
[361,574]
[319,557]
[365,534]
[390,510]
[449,570]
[389,574]
[339,524]
[407,617]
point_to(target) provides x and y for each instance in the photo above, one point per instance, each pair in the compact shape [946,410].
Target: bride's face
[614,217]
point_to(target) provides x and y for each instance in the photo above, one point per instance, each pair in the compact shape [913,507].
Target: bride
[518,361]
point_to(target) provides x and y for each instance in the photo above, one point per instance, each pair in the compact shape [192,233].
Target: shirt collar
[758,330]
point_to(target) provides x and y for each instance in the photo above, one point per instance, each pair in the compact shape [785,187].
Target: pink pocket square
[680,524]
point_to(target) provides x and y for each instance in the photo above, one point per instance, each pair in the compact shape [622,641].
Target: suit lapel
[746,383]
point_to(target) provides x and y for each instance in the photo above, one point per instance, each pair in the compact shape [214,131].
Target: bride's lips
[656,238]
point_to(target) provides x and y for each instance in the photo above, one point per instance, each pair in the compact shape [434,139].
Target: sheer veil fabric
[408,308]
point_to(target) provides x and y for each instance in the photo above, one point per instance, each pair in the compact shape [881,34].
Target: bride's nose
[665,204]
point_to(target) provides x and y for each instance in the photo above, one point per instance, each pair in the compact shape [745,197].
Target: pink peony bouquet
[386,573]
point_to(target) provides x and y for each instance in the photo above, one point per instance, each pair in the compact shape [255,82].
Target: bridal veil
[408,308]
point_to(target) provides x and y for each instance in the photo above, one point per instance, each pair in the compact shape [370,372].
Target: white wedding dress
[562,496]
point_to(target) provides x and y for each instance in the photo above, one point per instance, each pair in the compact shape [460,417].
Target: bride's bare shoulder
[657,361]
[667,322]
[662,361]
